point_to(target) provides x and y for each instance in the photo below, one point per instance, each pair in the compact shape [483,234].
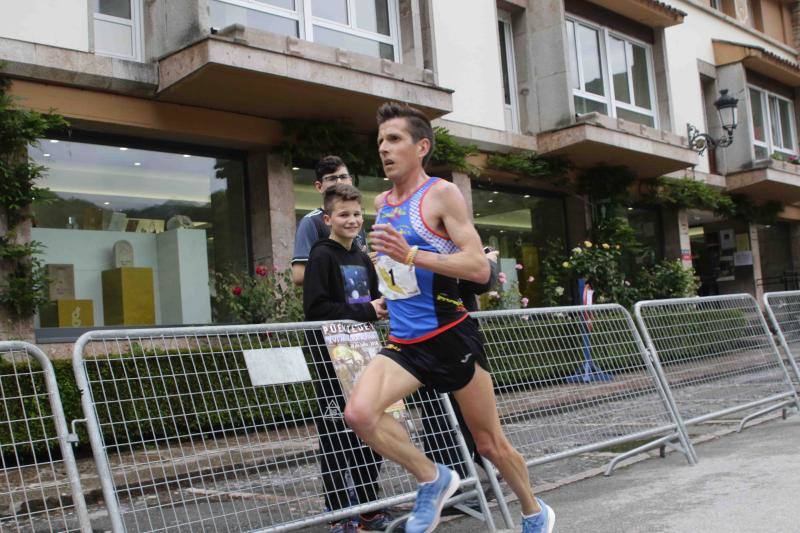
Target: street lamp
[727,107]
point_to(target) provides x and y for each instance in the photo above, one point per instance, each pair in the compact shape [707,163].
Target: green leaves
[449,153]
[262,297]
[24,286]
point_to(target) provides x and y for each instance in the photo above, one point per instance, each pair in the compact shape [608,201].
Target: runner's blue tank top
[437,306]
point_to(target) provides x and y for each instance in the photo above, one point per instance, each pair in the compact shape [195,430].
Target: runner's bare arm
[447,210]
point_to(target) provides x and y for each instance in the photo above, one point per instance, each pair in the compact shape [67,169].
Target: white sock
[532,515]
[433,480]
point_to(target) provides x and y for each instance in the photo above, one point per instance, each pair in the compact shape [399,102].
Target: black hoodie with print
[339,284]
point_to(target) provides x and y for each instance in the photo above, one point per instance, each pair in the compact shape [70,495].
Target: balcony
[265,74]
[597,139]
[651,13]
[768,180]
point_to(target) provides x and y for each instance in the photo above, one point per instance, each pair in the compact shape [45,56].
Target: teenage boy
[424,237]
[329,171]
[340,283]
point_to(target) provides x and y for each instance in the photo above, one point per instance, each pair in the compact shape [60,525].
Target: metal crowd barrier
[571,380]
[39,482]
[783,309]
[219,428]
[717,355]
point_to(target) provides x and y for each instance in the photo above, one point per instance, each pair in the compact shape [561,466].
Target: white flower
[577,250]
[559,290]
[494,294]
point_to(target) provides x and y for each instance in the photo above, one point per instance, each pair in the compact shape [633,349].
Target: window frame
[135,23]
[303,14]
[504,19]
[609,99]
[769,144]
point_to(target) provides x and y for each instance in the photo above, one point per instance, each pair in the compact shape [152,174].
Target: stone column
[755,246]
[794,244]
[464,184]
[579,220]
[738,155]
[543,67]
[677,244]
[258,204]
[411,33]
[19,330]
[280,191]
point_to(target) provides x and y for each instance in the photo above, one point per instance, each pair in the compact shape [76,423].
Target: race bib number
[397,281]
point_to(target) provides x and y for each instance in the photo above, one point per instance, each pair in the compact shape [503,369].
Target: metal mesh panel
[716,353]
[783,309]
[572,379]
[39,484]
[185,440]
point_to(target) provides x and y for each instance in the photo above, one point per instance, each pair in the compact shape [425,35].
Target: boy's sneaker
[345,525]
[542,522]
[430,500]
[378,521]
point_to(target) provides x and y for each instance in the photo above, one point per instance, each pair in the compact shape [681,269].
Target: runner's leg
[478,406]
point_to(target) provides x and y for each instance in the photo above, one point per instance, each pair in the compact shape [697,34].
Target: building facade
[172,171]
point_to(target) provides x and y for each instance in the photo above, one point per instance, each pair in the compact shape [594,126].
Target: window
[511,107]
[117,30]
[363,26]
[135,236]
[773,124]
[520,225]
[610,74]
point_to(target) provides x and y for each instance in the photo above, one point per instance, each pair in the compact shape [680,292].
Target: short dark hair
[328,164]
[419,126]
[343,192]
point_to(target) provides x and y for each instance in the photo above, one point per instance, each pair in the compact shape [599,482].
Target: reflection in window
[625,90]
[520,225]
[361,26]
[773,124]
[179,216]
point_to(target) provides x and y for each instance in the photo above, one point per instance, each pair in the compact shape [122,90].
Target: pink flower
[530,279]
[275,268]
[519,266]
[261,270]
[501,277]
[237,291]
[524,301]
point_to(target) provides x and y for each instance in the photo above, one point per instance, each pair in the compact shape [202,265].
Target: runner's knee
[360,418]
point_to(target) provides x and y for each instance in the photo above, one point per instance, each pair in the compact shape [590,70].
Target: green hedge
[172,394]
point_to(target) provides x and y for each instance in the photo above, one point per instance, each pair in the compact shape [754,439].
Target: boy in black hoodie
[340,283]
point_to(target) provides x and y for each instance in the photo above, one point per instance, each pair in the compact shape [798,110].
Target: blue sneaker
[542,522]
[430,500]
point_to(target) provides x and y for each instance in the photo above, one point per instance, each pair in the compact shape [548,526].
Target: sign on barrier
[783,309]
[39,482]
[717,355]
[547,415]
[239,428]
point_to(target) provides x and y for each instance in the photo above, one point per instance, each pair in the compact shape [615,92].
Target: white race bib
[397,281]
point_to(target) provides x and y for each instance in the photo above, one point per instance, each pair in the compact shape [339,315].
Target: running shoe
[430,499]
[540,523]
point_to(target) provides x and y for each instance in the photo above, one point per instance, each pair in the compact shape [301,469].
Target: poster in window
[351,347]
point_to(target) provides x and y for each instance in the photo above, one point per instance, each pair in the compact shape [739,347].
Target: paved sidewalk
[747,482]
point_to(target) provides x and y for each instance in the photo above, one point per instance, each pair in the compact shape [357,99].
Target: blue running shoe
[430,500]
[542,522]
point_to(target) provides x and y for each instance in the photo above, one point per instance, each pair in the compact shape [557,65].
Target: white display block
[183,277]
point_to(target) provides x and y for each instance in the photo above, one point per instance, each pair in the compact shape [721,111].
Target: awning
[598,139]
[758,60]
[648,12]
[262,74]
[775,180]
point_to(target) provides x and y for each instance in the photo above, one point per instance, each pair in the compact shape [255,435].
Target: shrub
[266,296]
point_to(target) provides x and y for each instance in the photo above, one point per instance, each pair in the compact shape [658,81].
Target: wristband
[412,254]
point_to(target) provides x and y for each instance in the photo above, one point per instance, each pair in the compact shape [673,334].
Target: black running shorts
[445,362]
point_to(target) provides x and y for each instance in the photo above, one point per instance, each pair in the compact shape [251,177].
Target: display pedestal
[67,314]
[128,297]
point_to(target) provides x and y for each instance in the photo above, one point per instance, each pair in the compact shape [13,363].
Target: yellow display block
[128,297]
[67,314]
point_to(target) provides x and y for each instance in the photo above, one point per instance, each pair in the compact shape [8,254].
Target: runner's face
[345,219]
[400,155]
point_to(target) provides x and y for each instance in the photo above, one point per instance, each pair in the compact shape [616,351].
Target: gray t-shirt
[311,229]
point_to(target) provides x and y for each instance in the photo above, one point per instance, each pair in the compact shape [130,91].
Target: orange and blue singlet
[421,303]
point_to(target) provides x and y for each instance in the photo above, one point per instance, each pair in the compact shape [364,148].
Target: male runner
[425,242]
